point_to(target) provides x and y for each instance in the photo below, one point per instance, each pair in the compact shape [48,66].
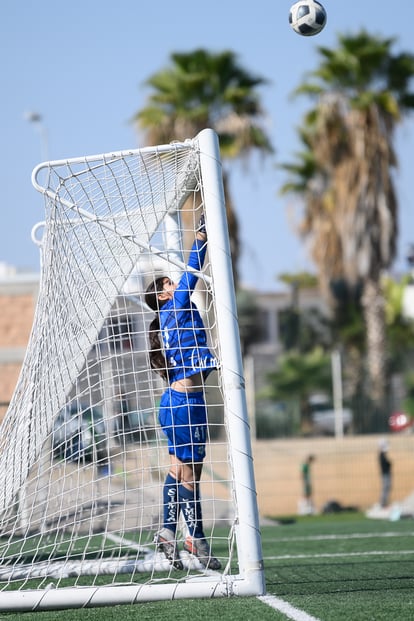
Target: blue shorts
[183,418]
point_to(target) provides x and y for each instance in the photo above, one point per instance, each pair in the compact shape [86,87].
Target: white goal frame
[28,421]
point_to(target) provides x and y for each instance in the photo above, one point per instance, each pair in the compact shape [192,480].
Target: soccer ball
[307,17]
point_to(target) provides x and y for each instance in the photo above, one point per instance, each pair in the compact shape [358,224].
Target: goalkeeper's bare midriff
[194,383]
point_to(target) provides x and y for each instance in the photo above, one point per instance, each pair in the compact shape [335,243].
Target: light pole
[37,120]
[408,295]
[410,260]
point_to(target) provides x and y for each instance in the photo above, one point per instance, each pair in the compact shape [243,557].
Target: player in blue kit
[180,354]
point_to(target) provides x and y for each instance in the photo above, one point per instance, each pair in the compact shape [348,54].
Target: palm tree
[311,183]
[298,376]
[203,89]
[362,92]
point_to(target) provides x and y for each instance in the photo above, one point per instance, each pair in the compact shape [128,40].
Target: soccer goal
[82,457]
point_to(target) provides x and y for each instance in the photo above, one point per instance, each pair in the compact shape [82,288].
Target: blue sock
[191,507]
[171,504]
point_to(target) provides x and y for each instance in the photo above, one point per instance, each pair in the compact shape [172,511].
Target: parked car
[133,426]
[323,416]
[79,435]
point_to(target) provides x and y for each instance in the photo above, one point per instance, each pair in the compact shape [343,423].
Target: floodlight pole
[37,120]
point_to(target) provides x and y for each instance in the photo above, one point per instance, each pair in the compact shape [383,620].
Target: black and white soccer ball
[307,17]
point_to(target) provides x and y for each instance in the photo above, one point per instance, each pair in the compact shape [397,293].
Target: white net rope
[82,458]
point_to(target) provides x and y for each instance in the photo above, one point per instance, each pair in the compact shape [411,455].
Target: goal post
[82,456]
[232,370]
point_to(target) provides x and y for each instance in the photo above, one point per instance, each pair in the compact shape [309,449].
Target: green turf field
[328,568]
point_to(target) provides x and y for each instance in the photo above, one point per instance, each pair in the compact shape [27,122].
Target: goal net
[82,455]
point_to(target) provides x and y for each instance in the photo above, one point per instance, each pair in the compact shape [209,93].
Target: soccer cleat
[201,549]
[167,544]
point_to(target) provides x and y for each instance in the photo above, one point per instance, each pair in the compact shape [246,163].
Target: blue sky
[81,65]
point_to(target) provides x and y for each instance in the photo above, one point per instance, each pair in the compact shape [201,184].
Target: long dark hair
[156,354]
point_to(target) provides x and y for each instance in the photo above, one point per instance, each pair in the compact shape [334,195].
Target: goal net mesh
[82,457]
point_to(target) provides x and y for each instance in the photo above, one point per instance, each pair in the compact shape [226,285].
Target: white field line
[333,537]
[340,554]
[296,614]
[127,542]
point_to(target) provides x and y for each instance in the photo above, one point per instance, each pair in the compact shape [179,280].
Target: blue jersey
[182,330]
